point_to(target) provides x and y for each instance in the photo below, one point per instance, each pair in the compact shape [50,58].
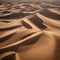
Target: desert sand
[29,31]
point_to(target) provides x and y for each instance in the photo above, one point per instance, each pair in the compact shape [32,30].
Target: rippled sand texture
[29,31]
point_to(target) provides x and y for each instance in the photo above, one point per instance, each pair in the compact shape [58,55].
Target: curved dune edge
[17,43]
[55,10]
[22,8]
[6,54]
[11,54]
[49,21]
[11,24]
[52,13]
[35,29]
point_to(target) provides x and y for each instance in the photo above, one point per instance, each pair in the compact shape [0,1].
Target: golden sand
[27,34]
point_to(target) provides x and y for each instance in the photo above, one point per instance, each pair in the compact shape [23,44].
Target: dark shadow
[50,14]
[38,22]
[6,38]
[26,25]
[9,57]
[15,16]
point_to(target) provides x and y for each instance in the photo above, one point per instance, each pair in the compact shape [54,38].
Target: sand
[29,32]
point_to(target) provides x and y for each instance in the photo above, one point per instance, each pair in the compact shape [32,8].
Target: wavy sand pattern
[29,31]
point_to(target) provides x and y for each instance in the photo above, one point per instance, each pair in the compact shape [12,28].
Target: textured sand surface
[29,31]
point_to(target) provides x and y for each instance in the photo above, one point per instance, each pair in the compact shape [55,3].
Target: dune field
[29,31]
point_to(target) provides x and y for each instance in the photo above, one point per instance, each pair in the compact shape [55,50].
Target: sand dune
[51,14]
[29,32]
[49,21]
[55,10]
